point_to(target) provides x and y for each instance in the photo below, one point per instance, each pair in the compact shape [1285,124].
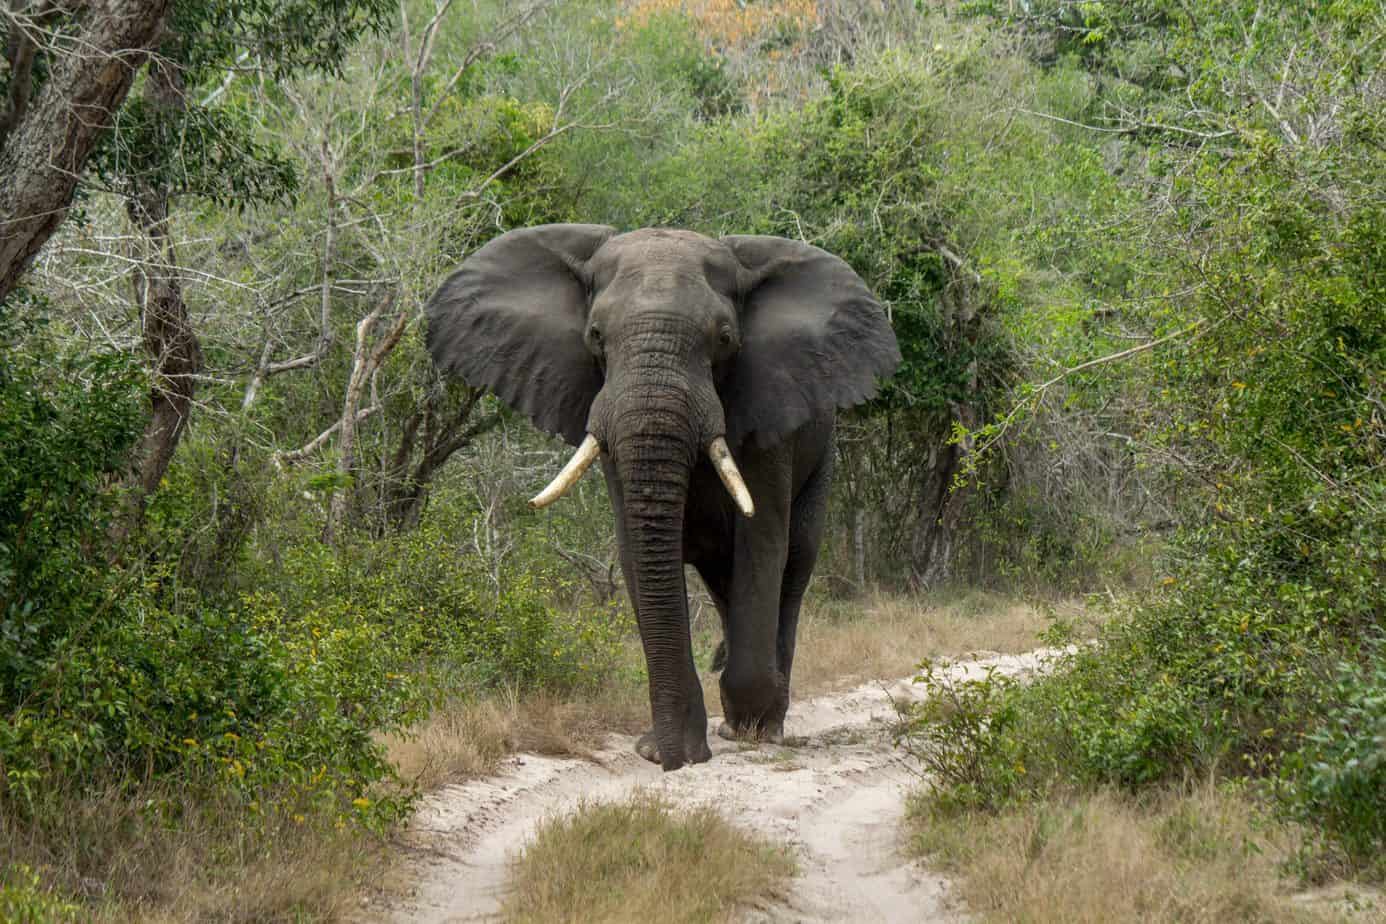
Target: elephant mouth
[590,450]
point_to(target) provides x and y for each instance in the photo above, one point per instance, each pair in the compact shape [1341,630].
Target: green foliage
[1254,654]
[190,144]
[411,617]
[24,900]
[282,36]
[98,676]
[220,158]
[1337,779]
[962,735]
[66,424]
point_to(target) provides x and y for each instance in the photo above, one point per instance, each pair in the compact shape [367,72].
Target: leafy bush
[24,900]
[403,619]
[1229,668]
[958,736]
[66,425]
[1337,781]
[1256,653]
[100,678]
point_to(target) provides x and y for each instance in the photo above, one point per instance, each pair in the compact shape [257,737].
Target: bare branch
[316,443]
[1132,129]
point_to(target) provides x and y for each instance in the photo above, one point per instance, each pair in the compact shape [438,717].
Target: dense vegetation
[1258,650]
[1133,253]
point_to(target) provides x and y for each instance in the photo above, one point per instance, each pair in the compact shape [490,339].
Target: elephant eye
[595,334]
[724,337]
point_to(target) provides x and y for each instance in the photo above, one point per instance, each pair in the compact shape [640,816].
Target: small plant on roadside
[957,735]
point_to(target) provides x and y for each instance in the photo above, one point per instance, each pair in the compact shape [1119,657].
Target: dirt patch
[836,794]
[843,643]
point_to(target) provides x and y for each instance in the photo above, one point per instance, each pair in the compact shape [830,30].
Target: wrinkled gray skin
[656,342]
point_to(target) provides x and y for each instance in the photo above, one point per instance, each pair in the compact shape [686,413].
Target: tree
[175,139]
[69,71]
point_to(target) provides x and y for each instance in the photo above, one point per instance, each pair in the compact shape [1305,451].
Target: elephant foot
[774,734]
[696,751]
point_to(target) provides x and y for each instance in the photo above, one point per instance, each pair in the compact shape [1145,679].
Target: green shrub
[203,697]
[962,735]
[102,680]
[66,426]
[23,900]
[407,618]
[1228,668]
[1337,781]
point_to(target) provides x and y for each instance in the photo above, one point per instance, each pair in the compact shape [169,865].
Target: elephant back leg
[717,580]
[807,515]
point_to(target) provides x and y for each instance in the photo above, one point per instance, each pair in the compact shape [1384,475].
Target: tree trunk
[940,511]
[859,547]
[363,365]
[941,501]
[170,343]
[44,147]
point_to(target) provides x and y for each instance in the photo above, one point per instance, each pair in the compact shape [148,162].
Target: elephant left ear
[813,339]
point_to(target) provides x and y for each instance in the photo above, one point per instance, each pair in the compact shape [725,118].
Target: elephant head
[655,347]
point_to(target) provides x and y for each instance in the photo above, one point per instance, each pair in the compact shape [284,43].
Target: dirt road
[836,794]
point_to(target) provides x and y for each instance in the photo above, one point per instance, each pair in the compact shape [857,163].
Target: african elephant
[705,374]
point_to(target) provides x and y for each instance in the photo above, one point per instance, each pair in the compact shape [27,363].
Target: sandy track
[836,794]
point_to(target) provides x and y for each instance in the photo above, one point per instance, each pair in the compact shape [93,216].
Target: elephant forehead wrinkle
[663,250]
[662,331]
[651,405]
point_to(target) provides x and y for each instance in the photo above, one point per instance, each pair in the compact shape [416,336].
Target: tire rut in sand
[835,793]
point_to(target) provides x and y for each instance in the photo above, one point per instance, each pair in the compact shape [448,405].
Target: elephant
[705,375]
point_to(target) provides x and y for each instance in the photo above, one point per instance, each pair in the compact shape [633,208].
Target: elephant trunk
[654,460]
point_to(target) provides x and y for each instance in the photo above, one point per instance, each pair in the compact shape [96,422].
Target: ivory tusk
[581,461]
[731,477]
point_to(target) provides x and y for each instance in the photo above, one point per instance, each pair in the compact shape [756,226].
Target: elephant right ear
[512,319]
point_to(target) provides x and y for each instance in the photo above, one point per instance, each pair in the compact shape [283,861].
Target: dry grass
[161,856]
[1190,857]
[642,860]
[466,739]
[886,636]
[840,643]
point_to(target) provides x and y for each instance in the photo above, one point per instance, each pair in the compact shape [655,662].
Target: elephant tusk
[730,475]
[581,461]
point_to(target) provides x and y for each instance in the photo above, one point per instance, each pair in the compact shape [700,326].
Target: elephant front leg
[754,688]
